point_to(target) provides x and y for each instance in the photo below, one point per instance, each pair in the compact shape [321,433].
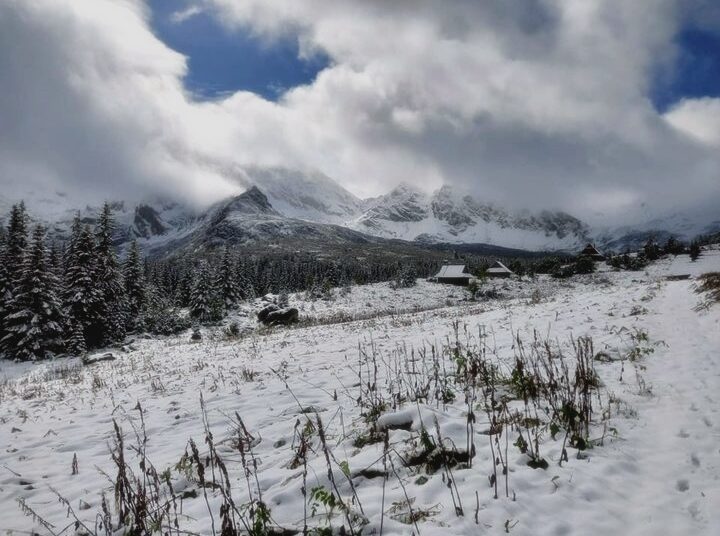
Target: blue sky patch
[222,62]
[696,72]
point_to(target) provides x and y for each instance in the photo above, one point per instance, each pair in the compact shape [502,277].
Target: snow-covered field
[654,467]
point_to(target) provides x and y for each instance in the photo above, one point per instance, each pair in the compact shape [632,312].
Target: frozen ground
[656,472]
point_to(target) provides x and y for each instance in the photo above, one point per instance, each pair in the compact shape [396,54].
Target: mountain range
[310,210]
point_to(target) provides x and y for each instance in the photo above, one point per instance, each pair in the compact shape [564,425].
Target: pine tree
[694,250]
[134,277]
[201,294]
[16,238]
[244,279]
[5,293]
[75,343]
[227,283]
[34,328]
[651,250]
[82,296]
[12,261]
[114,303]
[55,260]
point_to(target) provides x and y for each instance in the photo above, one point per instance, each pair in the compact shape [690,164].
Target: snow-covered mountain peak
[310,196]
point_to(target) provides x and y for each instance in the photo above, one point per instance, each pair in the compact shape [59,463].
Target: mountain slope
[288,205]
[309,196]
[447,216]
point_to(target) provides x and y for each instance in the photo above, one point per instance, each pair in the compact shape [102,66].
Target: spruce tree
[75,343]
[114,305]
[201,294]
[12,261]
[5,293]
[244,279]
[227,283]
[134,277]
[694,250]
[82,296]
[16,238]
[34,328]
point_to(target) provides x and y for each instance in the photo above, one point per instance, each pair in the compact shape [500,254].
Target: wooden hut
[592,252]
[453,274]
[499,270]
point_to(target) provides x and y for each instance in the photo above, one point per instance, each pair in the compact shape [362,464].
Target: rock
[272,315]
[677,277]
[263,313]
[399,420]
[282,317]
[196,335]
[92,359]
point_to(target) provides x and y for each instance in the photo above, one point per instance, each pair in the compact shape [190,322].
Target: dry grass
[709,284]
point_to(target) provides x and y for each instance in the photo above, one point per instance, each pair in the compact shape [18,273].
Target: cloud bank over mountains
[541,104]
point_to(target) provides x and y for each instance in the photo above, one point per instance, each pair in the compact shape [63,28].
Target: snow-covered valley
[652,466]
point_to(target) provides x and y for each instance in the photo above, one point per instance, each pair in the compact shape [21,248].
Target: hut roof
[590,250]
[452,270]
[499,268]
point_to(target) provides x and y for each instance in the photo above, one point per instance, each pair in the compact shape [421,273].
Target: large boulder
[263,313]
[278,316]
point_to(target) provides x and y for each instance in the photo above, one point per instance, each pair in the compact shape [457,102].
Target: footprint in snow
[682,433]
[682,485]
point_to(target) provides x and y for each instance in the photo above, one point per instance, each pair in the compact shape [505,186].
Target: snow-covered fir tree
[17,238]
[82,296]
[34,328]
[5,294]
[227,283]
[75,342]
[12,260]
[244,282]
[202,295]
[114,303]
[134,278]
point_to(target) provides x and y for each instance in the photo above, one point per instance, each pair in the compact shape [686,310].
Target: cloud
[180,16]
[540,103]
[93,104]
[699,118]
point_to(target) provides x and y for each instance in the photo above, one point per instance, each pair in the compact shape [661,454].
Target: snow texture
[658,471]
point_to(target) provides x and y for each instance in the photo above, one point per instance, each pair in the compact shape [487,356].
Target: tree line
[79,295]
[69,299]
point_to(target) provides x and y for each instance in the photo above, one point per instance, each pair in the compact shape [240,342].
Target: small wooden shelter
[453,274]
[592,252]
[499,270]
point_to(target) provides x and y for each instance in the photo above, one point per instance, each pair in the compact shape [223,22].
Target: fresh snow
[658,471]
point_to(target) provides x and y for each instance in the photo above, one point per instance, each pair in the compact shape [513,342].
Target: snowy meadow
[586,405]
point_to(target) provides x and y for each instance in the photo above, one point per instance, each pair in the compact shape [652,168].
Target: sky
[608,110]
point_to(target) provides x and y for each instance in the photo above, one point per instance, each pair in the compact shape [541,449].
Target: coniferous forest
[82,294]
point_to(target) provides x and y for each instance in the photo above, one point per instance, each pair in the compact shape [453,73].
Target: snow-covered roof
[499,268]
[590,249]
[453,270]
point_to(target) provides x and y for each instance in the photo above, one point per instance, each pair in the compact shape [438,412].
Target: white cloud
[182,15]
[93,104]
[699,118]
[540,103]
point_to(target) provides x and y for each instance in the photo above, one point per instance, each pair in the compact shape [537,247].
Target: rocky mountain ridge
[282,204]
